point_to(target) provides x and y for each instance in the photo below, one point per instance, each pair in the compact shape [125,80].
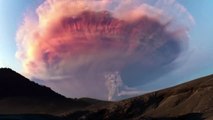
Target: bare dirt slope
[189,101]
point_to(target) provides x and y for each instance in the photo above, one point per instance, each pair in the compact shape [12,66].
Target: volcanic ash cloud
[85,48]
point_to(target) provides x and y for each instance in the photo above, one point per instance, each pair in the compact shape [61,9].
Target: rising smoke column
[82,47]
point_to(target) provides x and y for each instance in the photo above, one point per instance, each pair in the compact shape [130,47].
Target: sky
[54,65]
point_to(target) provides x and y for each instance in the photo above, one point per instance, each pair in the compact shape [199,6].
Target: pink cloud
[74,44]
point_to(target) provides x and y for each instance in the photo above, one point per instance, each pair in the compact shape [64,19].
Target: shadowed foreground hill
[18,95]
[13,84]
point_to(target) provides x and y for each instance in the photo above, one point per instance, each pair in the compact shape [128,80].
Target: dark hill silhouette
[19,95]
[13,84]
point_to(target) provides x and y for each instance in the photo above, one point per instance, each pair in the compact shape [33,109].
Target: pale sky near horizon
[198,59]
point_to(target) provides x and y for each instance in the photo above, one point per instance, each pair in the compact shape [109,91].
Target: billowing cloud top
[86,48]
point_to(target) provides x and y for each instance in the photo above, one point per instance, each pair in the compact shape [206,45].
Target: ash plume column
[95,48]
[116,87]
[113,83]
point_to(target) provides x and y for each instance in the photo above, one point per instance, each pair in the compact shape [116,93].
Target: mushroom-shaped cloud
[102,48]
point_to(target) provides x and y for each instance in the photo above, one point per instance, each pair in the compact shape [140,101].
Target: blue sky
[197,60]
[11,16]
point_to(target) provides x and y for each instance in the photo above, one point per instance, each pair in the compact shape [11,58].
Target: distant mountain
[19,95]
[189,101]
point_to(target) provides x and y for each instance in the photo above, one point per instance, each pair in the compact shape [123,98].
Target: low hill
[19,95]
[189,101]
